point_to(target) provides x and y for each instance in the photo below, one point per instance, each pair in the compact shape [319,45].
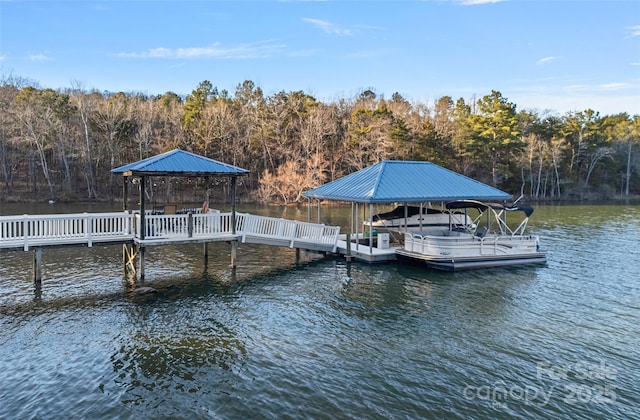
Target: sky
[555,56]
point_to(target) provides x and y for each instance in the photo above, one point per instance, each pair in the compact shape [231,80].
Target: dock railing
[284,232]
[80,228]
[28,231]
[183,226]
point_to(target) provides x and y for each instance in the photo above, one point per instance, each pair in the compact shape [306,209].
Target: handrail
[86,228]
[293,231]
[33,230]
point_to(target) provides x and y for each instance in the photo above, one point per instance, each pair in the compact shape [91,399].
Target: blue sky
[558,55]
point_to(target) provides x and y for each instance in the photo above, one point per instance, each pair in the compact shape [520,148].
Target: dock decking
[38,232]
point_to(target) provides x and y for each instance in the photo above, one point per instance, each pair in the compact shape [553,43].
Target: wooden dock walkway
[38,232]
[88,229]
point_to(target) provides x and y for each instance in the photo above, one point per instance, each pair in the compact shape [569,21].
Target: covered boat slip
[390,182]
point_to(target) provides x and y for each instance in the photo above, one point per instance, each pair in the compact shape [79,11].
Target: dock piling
[37,268]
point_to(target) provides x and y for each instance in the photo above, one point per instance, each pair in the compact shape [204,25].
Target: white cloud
[327,27]
[614,86]
[635,30]
[39,57]
[253,50]
[546,60]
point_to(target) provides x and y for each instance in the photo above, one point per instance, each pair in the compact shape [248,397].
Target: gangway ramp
[289,233]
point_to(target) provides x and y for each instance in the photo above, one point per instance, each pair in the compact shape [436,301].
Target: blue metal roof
[395,181]
[178,162]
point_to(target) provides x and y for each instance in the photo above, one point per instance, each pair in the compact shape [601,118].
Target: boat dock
[38,232]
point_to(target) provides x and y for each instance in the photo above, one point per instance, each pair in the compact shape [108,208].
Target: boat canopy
[481,207]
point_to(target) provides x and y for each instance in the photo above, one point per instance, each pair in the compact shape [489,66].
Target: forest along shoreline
[60,145]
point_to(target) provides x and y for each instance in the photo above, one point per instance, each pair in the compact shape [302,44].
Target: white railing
[32,230]
[175,226]
[86,228]
[293,232]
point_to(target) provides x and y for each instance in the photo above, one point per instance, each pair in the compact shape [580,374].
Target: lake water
[319,338]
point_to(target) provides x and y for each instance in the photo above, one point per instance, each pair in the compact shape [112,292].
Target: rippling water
[318,338]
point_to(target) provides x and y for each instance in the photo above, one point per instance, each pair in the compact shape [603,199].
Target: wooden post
[125,192]
[124,261]
[142,211]
[234,243]
[205,251]
[141,276]
[234,250]
[234,185]
[37,268]
[348,256]
[370,228]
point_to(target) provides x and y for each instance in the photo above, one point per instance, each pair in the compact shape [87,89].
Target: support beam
[234,244]
[129,255]
[234,251]
[205,253]
[141,276]
[37,268]
[234,187]
[125,193]
[142,211]
[370,228]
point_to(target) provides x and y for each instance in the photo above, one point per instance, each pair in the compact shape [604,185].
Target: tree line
[62,144]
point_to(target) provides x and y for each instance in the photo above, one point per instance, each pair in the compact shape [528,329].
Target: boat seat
[481,231]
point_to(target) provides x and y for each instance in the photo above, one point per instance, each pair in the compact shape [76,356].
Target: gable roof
[178,162]
[396,181]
